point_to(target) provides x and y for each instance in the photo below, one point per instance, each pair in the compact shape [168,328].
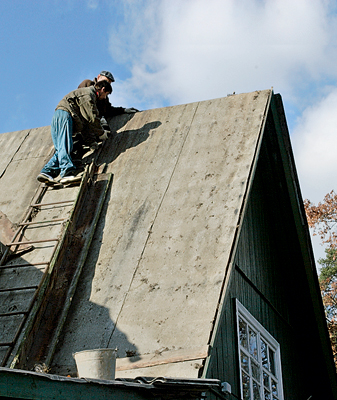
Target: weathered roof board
[152,281]
[23,154]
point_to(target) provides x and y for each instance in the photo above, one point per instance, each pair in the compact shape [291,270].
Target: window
[260,360]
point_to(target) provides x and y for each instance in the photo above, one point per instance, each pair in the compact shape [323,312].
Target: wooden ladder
[33,308]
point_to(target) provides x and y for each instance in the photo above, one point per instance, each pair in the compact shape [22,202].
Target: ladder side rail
[29,308]
[37,308]
[72,288]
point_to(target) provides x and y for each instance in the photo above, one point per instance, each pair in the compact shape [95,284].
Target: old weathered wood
[160,358]
[7,231]
[22,265]
[202,212]
[41,190]
[41,386]
[90,212]
[26,338]
[32,241]
[42,222]
[55,203]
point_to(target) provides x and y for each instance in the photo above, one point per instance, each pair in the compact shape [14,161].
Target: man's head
[105,76]
[103,89]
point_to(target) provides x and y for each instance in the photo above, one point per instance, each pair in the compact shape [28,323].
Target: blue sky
[48,47]
[167,52]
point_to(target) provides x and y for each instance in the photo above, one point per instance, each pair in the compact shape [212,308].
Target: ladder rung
[23,265]
[42,222]
[9,344]
[13,313]
[18,288]
[33,241]
[51,204]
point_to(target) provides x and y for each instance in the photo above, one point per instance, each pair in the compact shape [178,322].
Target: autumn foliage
[329,295]
[323,219]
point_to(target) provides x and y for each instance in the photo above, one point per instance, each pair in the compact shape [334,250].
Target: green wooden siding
[269,280]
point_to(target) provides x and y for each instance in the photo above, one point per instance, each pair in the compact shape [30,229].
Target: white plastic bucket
[96,364]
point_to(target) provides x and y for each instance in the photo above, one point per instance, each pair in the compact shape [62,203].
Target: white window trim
[240,309]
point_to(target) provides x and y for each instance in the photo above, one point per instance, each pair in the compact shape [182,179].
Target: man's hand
[130,110]
[104,124]
[93,146]
[104,136]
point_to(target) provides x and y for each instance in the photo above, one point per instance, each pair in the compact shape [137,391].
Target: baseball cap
[108,75]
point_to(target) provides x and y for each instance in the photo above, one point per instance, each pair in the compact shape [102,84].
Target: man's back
[87,82]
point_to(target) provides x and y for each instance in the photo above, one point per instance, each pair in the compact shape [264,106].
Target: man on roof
[104,106]
[105,110]
[76,112]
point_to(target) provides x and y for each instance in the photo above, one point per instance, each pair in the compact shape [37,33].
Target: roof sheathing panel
[10,143]
[154,275]
[23,155]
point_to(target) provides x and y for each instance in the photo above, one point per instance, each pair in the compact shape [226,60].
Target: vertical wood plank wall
[269,280]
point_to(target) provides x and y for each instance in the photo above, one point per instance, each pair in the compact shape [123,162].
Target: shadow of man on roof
[91,322]
[121,141]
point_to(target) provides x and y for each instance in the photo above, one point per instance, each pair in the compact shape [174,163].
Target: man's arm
[110,111]
[89,112]
[104,106]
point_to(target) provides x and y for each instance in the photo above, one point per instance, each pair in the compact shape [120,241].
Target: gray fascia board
[32,385]
[229,267]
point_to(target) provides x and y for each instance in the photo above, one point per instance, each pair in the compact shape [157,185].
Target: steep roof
[152,281]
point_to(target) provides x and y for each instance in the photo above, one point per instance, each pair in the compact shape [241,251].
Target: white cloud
[133,38]
[183,51]
[92,4]
[192,50]
[315,143]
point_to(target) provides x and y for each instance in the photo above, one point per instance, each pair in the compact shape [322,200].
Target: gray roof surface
[153,277]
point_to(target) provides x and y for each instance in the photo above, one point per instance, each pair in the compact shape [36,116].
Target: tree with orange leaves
[323,219]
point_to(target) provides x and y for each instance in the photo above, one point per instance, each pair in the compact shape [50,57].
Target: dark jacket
[81,104]
[105,108]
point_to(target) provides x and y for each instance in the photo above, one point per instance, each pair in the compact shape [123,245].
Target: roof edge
[229,267]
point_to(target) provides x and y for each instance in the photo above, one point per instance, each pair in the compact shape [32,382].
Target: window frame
[271,342]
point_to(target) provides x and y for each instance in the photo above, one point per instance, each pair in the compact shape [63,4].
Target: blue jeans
[61,133]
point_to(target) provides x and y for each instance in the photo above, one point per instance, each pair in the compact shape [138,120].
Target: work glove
[93,146]
[104,136]
[105,124]
[130,110]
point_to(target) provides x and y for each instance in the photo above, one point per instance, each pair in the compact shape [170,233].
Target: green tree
[328,286]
